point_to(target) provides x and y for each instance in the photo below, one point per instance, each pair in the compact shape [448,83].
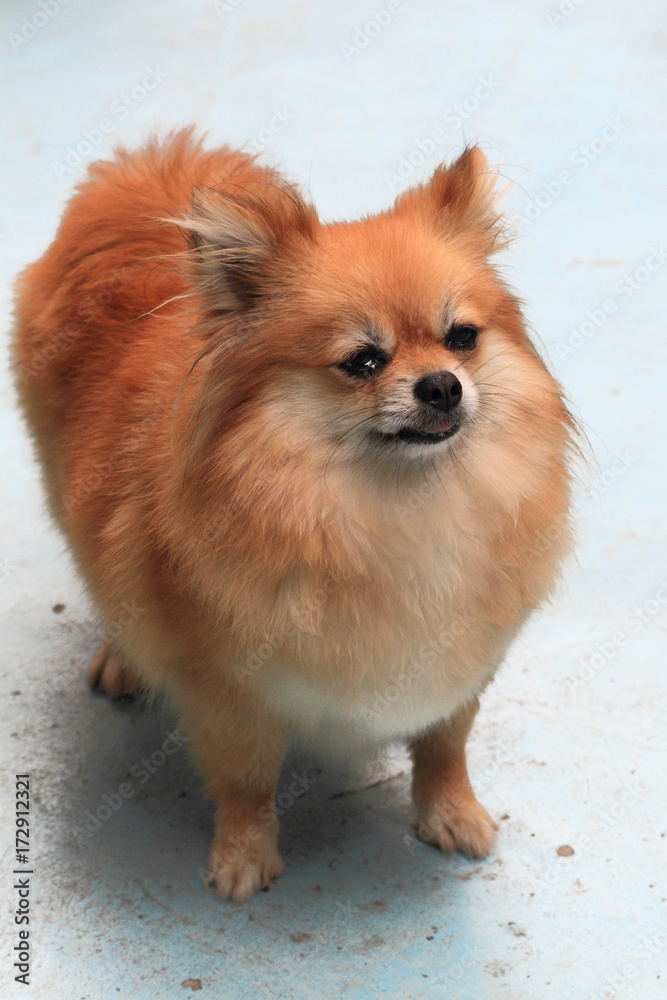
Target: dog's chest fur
[415,622]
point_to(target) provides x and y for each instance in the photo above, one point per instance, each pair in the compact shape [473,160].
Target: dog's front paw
[237,874]
[465,827]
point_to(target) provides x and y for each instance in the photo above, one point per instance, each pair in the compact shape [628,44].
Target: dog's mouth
[423,435]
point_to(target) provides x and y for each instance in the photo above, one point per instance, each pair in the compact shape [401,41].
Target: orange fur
[293,562]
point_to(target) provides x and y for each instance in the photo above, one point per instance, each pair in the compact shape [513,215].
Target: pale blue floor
[570,746]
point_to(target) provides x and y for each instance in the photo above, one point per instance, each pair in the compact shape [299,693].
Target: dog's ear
[460,200]
[231,249]
[237,240]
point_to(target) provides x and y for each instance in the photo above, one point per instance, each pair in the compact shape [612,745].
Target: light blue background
[570,745]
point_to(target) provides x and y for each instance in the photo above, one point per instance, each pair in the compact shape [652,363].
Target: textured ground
[357,100]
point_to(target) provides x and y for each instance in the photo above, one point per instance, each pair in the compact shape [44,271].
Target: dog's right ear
[237,240]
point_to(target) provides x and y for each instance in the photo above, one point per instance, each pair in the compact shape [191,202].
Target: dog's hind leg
[108,674]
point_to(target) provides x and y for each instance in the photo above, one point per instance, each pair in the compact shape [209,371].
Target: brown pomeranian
[315,476]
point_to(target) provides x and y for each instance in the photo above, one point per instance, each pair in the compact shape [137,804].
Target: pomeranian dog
[315,475]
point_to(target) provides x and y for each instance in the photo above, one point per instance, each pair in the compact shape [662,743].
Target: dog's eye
[365,362]
[461,337]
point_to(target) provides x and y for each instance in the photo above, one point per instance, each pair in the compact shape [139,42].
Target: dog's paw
[107,673]
[466,827]
[238,874]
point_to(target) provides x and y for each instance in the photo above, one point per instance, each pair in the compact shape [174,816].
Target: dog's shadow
[135,816]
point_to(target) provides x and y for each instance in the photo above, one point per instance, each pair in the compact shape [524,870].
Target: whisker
[435,469]
[161,305]
[488,360]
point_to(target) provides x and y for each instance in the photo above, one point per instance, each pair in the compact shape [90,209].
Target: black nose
[442,390]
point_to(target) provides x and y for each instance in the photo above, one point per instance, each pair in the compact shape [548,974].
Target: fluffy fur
[264,545]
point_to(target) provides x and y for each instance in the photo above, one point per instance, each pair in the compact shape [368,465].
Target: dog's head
[390,338]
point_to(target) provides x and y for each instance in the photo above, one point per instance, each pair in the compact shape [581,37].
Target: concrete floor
[569,750]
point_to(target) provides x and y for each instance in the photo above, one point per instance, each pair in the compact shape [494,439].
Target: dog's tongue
[445,425]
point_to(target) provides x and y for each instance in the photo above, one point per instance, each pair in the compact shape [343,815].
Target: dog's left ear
[459,199]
